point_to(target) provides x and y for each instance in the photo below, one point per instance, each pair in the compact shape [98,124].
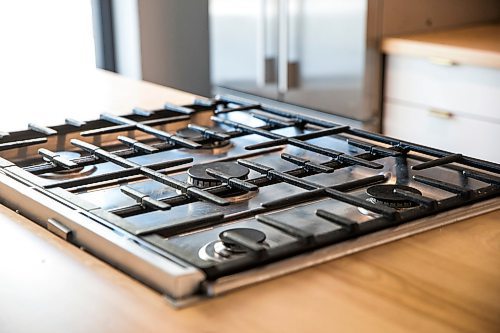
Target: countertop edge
[445,45]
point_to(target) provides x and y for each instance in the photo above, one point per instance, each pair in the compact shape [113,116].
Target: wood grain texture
[445,280]
[47,98]
[478,45]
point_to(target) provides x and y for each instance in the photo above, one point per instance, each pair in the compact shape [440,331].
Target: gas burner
[200,241]
[197,174]
[188,133]
[384,194]
[225,247]
[227,238]
[70,173]
[207,144]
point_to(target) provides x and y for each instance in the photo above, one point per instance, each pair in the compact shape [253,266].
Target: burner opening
[198,176]
[384,194]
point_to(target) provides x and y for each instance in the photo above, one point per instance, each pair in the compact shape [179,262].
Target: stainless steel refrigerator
[318,54]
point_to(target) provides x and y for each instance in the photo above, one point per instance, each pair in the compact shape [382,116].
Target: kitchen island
[442,280]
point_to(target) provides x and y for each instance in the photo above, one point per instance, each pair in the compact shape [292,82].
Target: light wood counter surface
[475,45]
[445,280]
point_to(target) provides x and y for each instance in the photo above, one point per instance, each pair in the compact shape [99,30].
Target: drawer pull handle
[442,61]
[58,229]
[440,113]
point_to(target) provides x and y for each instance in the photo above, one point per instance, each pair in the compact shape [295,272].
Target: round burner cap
[206,143]
[191,134]
[252,234]
[198,175]
[385,194]
[70,173]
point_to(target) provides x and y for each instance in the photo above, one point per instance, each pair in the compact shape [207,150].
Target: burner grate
[398,145]
[274,118]
[186,188]
[319,169]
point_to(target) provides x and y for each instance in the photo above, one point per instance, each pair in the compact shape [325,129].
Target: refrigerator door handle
[283,35]
[266,60]
[261,44]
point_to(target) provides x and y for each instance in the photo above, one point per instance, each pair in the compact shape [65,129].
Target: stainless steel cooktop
[200,199]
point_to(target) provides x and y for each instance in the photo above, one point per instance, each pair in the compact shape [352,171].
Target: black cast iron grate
[375,146]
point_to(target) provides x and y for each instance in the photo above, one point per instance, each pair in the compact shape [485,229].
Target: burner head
[225,247]
[188,133]
[385,194]
[191,134]
[197,174]
[254,235]
[70,173]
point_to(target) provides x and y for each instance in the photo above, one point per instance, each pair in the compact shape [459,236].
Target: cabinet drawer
[457,134]
[463,89]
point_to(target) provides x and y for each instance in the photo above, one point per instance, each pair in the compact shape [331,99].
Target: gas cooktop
[200,199]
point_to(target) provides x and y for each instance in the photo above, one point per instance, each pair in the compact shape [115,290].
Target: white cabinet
[455,133]
[451,107]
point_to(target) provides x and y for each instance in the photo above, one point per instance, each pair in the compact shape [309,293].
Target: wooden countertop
[475,45]
[47,96]
[445,280]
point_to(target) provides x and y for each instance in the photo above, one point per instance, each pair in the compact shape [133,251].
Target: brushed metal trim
[116,247]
